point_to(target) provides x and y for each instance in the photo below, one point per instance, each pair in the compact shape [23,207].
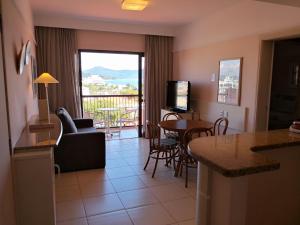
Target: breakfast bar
[249,178]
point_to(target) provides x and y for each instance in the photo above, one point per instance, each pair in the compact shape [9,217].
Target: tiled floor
[123,193]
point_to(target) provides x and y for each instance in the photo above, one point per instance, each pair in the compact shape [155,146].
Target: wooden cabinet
[33,168]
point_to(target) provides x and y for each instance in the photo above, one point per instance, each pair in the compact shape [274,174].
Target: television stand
[190,115]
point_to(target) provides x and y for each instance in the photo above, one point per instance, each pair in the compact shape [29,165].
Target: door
[112,91]
[285,90]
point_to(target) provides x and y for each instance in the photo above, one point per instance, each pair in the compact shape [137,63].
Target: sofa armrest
[83,123]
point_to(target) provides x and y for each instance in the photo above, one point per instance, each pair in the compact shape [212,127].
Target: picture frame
[229,81]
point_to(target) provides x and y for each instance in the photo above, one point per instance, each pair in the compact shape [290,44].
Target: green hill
[110,74]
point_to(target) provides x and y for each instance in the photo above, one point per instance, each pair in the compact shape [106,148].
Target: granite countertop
[238,154]
[41,138]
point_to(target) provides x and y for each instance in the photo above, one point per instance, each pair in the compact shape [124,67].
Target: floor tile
[102,204]
[141,197]
[102,195]
[150,215]
[181,209]
[191,189]
[81,221]
[120,172]
[137,160]
[157,180]
[67,193]
[127,183]
[92,189]
[112,155]
[91,176]
[168,192]
[115,163]
[65,179]
[114,218]
[69,210]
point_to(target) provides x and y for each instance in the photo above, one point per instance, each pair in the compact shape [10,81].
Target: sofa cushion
[66,120]
[86,130]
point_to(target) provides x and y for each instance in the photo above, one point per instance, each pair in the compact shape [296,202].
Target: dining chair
[220,126]
[171,116]
[127,117]
[160,149]
[186,160]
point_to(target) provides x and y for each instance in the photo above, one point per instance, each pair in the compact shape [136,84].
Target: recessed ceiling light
[136,5]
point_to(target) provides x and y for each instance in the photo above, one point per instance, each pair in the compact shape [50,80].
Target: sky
[109,60]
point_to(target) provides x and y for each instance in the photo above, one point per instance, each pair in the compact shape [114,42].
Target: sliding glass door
[111,91]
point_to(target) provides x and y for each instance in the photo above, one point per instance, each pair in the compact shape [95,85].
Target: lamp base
[43,109]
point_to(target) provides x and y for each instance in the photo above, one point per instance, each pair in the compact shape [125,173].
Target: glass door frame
[140,79]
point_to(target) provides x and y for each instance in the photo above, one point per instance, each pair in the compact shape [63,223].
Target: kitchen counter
[239,154]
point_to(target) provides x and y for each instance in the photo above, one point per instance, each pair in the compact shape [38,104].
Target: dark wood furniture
[160,149]
[181,126]
[186,160]
[171,116]
[220,126]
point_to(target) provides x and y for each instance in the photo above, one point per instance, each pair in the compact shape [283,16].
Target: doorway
[111,85]
[278,97]
[285,88]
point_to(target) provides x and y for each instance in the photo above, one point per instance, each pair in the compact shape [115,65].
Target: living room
[203,34]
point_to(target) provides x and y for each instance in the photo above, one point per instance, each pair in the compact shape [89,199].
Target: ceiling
[162,12]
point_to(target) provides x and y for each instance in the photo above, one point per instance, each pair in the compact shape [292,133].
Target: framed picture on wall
[34,76]
[229,82]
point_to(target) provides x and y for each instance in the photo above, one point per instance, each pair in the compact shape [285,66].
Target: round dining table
[181,126]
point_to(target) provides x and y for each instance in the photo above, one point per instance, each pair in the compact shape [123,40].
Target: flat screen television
[178,95]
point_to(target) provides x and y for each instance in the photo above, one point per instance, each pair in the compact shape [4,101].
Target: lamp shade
[45,78]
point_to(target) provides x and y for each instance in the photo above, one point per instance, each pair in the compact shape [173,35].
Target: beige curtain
[158,70]
[57,55]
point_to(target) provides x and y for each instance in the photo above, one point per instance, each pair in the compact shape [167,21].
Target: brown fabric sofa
[81,146]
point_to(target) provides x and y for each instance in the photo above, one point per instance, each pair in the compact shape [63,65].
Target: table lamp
[45,78]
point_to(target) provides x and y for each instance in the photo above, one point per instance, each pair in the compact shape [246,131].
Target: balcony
[113,113]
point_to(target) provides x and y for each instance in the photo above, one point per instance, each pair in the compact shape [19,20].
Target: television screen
[178,95]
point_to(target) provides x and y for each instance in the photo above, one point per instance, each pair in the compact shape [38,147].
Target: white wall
[17,30]
[236,31]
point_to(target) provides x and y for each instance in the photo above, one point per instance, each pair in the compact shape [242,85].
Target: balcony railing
[111,110]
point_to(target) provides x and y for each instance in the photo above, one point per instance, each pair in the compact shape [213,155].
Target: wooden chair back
[153,134]
[193,133]
[220,126]
[172,115]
